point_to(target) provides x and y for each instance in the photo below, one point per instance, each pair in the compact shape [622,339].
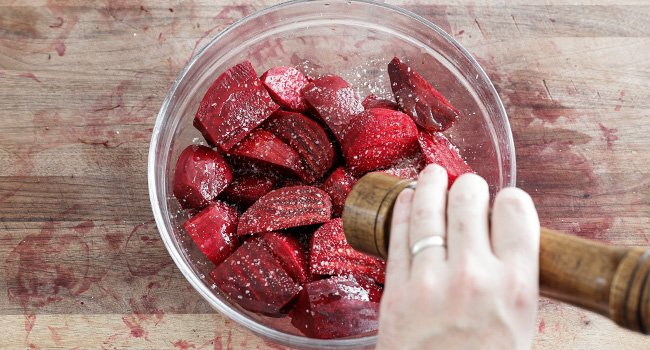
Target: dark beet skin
[338,185]
[306,137]
[372,101]
[437,149]
[256,280]
[246,189]
[284,208]
[200,175]
[377,139]
[284,84]
[336,307]
[334,102]
[417,98]
[330,254]
[233,106]
[214,231]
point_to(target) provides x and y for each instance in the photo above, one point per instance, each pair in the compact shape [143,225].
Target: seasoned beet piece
[372,101]
[200,175]
[256,280]
[334,102]
[214,230]
[437,149]
[233,106]
[338,185]
[263,147]
[306,137]
[337,307]
[330,254]
[284,84]
[285,208]
[417,98]
[246,189]
[409,167]
[378,138]
[289,252]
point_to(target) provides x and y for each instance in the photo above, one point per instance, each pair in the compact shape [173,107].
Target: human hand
[481,291]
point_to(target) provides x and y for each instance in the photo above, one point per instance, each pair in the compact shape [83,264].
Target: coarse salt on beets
[334,101]
[437,149]
[288,250]
[338,185]
[372,101]
[330,254]
[200,175]
[284,85]
[233,106]
[214,231]
[246,189]
[285,208]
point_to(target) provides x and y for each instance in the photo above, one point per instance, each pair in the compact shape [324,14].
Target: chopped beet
[248,188]
[256,280]
[214,230]
[330,254]
[437,149]
[338,185]
[263,147]
[337,307]
[372,101]
[200,175]
[334,102]
[284,84]
[306,137]
[289,252]
[233,106]
[285,208]
[378,138]
[417,98]
[409,167]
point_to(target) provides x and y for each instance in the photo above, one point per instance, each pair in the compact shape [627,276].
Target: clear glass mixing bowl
[354,39]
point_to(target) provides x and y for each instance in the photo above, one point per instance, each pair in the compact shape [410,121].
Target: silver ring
[428,242]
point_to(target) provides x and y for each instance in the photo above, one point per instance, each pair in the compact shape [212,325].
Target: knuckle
[472,279]
[524,294]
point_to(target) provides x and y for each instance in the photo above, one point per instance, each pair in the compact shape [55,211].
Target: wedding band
[427,242]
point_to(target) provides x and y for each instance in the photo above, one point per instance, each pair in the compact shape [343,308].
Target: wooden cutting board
[81,83]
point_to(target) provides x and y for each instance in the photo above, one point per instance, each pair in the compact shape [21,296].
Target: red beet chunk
[307,138]
[200,175]
[263,147]
[256,280]
[330,254]
[285,208]
[372,101]
[378,138]
[248,188]
[334,101]
[214,230]
[409,167]
[233,106]
[284,84]
[338,185]
[417,98]
[289,252]
[437,149]
[337,307]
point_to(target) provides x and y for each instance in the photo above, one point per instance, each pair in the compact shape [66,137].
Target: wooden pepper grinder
[613,281]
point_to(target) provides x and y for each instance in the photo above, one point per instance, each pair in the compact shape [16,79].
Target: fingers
[428,217]
[399,255]
[515,230]
[467,218]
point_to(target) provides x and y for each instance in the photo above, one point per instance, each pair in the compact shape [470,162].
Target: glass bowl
[353,39]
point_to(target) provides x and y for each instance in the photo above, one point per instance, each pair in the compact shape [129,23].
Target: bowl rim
[197,283]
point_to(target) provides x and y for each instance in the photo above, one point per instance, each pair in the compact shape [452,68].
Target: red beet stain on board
[609,135]
[183,345]
[145,257]
[84,227]
[30,76]
[136,329]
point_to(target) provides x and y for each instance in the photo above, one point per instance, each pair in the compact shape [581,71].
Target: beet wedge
[338,185]
[284,84]
[437,149]
[256,280]
[285,208]
[288,250]
[306,137]
[246,189]
[330,254]
[200,175]
[214,231]
[263,147]
[377,139]
[372,101]
[233,106]
[408,167]
[417,98]
[334,102]
[337,307]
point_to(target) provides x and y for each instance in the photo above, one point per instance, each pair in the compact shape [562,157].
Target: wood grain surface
[80,86]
